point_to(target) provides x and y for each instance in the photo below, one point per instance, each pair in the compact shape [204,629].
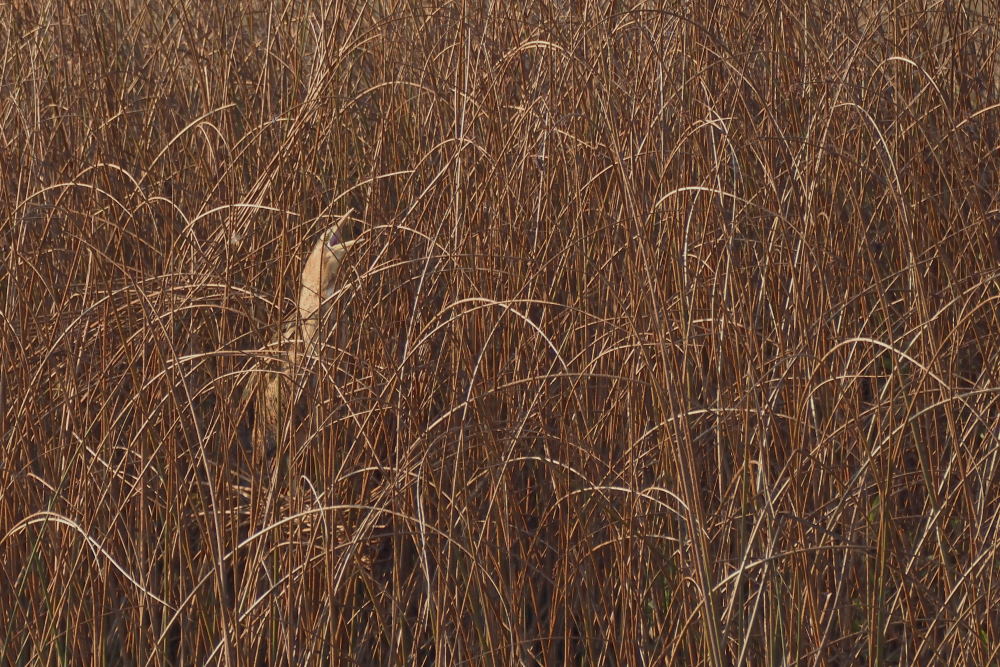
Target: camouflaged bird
[298,338]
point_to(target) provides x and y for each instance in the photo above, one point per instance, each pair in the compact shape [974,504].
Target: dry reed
[673,336]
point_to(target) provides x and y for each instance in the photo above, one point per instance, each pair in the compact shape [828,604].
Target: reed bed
[670,333]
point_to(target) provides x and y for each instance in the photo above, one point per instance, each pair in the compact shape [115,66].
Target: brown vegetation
[671,333]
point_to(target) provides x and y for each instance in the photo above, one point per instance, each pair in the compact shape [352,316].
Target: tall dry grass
[671,334]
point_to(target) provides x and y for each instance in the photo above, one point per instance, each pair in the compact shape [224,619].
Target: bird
[298,338]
